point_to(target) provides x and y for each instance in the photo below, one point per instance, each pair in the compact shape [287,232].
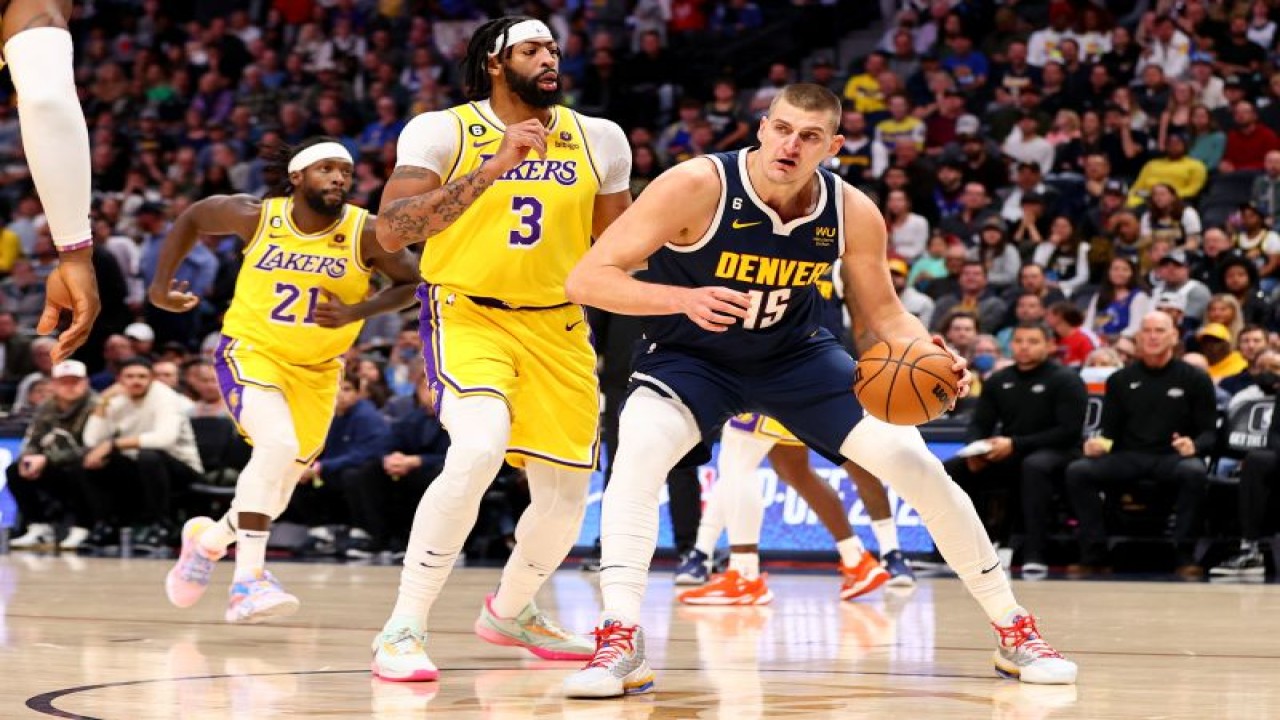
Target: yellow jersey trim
[586,146]
[263,211]
[357,244]
[458,153]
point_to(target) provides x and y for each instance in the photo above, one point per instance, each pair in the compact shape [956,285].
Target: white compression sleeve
[739,487]
[898,452]
[654,432]
[479,429]
[545,534]
[54,134]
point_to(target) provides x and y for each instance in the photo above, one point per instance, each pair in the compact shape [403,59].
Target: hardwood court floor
[96,639]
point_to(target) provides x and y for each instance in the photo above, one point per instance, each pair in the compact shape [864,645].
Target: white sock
[544,536]
[886,531]
[654,432]
[54,134]
[740,455]
[851,551]
[215,539]
[746,564]
[712,524]
[480,427]
[899,452]
[251,552]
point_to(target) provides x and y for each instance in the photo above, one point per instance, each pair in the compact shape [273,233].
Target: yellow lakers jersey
[284,277]
[519,239]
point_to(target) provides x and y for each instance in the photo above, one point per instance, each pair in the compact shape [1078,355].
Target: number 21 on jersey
[286,310]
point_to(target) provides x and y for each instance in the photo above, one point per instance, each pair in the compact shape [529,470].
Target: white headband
[522,31]
[318,152]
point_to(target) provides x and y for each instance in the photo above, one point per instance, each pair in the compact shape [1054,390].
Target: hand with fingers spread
[960,367]
[520,139]
[72,287]
[714,308]
[333,313]
[176,298]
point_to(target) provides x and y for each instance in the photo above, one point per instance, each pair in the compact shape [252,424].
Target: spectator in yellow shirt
[902,126]
[1184,174]
[864,89]
[10,250]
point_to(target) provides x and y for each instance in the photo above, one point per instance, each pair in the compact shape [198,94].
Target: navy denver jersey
[748,248]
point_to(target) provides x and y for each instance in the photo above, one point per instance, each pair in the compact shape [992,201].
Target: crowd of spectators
[1069,163]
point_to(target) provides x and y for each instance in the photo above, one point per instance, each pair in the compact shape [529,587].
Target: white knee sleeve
[739,486]
[654,432]
[54,134]
[267,481]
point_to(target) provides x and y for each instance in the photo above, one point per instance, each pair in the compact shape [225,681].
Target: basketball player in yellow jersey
[37,48]
[506,191]
[298,307]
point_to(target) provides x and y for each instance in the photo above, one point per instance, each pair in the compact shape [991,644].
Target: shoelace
[404,637]
[612,641]
[198,569]
[1024,635]
[549,625]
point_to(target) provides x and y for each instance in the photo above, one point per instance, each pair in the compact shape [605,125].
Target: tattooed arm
[416,206]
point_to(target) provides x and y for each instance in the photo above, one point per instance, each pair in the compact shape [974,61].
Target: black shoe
[1243,564]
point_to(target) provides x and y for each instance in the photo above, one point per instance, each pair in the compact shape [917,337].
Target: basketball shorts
[310,390]
[539,361]
[809,390]
[763,426]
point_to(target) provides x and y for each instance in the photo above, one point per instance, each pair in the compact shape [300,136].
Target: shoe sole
[1219,572]
[869,585]
[415,676]
[496,637]
[1013,673]
[764,599]
[284,608]
[900,581]
[690,580]
[633,687]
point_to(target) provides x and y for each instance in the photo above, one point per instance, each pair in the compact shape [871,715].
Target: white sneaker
[1024,655]
[37,535]
[618,667]
[400,655]
[74,539]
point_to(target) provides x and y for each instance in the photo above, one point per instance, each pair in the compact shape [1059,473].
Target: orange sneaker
[862,578]
[729,589]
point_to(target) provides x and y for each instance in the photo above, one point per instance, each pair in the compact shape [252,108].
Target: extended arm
[214,215]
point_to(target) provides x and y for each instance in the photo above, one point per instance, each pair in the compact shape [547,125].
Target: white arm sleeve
[430,141]
[611,152]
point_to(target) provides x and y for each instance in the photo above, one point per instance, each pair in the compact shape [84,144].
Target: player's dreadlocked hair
[278,156]
[476,84]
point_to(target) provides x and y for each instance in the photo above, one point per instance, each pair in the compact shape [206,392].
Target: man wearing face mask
[1040,408]
[1258,472]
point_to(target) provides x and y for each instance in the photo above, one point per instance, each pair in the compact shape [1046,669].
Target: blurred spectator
[960,330]
[1168,217]
[1251,343]
[1214,341]
[41,367]
[15,355]
[1248,142]
[1074,341]
[1185,175]
[1168,48]
[167,372]
[972,297]
[141,452]
[1039,407]
[1158,416]
[1026,145]
[1175,275]
[1120,303]
[1224,309]
[901,127]
[23,293]
[1265,195]
[1043,45]
[141,337]
[860,158]
[357,439]
[1028,309]
[864,88]
[908,232]
[116,351]
[939,267]
[727,119]
[975,214]
[202,384]
[997,254]
[46,478]
[1064,255]
[915,302]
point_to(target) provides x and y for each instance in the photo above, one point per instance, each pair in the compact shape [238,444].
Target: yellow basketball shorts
[309,390]
[764,427]
[539,361]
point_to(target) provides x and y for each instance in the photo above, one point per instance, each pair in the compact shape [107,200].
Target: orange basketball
[905,382]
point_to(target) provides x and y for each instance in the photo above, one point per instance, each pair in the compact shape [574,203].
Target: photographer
[46,479]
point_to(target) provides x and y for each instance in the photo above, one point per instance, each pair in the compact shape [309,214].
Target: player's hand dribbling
[71,287]
[333,313]
[176,298]
[714,308]
[520,139]
[960,367]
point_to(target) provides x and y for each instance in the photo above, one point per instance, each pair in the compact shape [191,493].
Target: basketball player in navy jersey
[734,244]
[37,48]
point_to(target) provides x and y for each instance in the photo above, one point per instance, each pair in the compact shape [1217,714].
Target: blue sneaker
[694,568]
[900,574]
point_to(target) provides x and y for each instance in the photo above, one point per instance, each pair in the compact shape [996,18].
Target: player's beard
[528,91]
[316,200]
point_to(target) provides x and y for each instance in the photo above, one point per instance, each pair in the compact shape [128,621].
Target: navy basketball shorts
[809,389]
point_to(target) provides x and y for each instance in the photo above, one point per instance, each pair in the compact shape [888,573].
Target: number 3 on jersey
[528,211]
[766,308]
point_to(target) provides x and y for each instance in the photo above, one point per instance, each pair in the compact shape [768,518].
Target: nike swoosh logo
[993,567]
[739,225]
[482,143]
[572,325]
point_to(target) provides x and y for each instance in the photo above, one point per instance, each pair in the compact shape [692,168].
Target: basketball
[905,383]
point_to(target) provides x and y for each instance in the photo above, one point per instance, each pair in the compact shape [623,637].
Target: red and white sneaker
[1023,655]
[729,588]
[862,578]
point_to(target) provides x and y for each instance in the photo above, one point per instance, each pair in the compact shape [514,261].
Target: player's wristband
[77,245]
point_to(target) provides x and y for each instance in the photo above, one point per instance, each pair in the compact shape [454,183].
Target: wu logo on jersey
[824,236]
